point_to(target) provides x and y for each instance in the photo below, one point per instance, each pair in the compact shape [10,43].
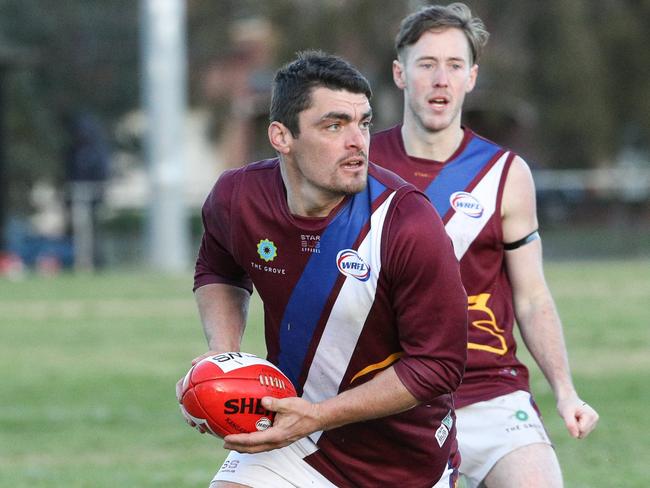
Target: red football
[223,393]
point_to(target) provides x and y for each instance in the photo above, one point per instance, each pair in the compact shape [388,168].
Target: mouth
[355,162]
[438,102]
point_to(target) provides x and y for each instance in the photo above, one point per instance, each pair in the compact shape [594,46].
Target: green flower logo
[521,415]
[267,250]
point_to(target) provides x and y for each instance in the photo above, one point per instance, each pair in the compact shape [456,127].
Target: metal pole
[164,95]
[82,194]
[4,187]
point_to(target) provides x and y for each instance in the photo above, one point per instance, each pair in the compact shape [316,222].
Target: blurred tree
[362,31]
[624,28]
[578,65]
[87,59]
[569,79]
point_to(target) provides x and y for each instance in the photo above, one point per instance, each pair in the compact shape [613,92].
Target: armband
[510,246]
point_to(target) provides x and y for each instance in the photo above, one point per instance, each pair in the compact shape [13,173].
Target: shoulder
[256,170]
[518,177]
[389,179]
[518,206]
[416,236]
[410,207]
[231,180]
[519,182]
[471,135]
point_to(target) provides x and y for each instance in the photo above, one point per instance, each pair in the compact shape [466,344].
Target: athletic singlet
[467,191]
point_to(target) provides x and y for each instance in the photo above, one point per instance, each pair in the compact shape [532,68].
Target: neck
[305,200]
[434,145]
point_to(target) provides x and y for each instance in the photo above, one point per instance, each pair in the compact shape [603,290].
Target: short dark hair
[294,82]
[434,17]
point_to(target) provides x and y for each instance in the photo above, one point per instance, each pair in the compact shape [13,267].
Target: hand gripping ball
[223,393]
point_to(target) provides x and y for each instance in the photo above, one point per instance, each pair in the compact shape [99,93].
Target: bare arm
[535,309]
[382,396]
[223,310]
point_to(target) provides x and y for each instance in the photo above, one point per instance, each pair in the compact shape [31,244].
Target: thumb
[270,403]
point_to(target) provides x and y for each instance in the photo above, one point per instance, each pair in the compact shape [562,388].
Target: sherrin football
[223,393]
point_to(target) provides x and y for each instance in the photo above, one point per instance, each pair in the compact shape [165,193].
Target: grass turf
[89,365]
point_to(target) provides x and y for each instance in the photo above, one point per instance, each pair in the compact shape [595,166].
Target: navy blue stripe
[458,174]
[318,279]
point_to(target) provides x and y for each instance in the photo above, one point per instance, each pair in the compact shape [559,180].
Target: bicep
[518,207]
[519,219]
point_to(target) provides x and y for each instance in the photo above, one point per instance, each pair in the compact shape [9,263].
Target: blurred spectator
[87,169]
[238,86]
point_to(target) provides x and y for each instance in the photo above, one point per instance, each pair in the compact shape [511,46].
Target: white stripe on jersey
[346,319]
[464,229]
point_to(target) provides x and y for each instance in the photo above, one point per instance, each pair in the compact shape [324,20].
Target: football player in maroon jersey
[364,309]
[486,197]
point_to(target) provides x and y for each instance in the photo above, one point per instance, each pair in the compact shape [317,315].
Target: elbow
[432,378]
[450,374]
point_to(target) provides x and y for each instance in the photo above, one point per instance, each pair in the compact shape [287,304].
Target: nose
[440,77]
[357,138]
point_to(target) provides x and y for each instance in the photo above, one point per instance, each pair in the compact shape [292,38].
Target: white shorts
[284,468]
[487,431]
[280,468]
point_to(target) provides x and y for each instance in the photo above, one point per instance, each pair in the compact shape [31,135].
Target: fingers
[572,426]
[179,384]
[203,356]
[587,419]
[179,390]
[179,395]
[580,418]
[257,441]
[291,423]
[198,424]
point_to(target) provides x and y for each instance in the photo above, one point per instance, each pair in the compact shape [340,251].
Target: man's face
[330,155]
[435,74]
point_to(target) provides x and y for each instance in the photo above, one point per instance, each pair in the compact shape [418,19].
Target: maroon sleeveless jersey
[467,190]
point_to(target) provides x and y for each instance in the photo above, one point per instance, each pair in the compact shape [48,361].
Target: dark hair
[434,17]
[294,82]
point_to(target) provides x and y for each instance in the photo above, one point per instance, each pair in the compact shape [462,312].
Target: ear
[280,137]
[471,82]
[399,74]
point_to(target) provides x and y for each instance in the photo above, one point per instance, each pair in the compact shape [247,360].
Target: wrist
[565,393]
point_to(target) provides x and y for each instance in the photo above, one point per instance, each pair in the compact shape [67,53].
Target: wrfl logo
[350,263]
[466,203]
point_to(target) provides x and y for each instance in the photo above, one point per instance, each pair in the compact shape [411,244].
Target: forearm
[544,338]
[223,310]
[542,332]
[384,395]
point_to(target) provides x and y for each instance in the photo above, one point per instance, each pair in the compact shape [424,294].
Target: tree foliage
[578,65]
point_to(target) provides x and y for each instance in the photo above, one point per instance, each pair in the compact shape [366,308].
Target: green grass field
[89,365]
